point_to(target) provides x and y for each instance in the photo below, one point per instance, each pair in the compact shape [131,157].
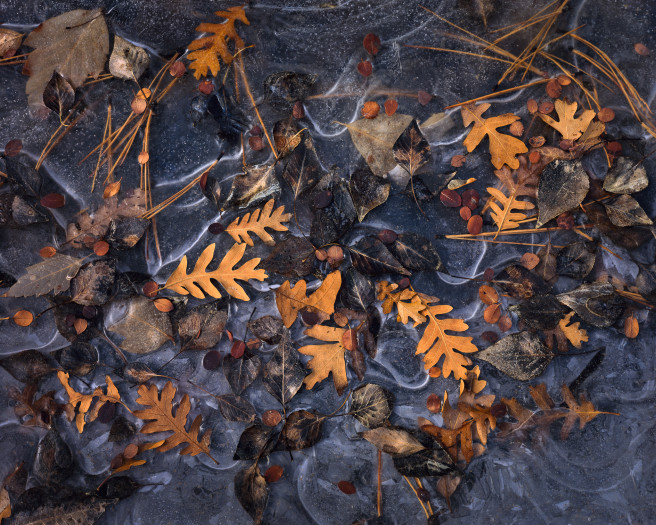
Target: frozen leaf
[82,402]
[563,186]
[575,335]
[372,257]
[631,327]
[595,303]
[503,148]
[27,366]
[411,151]
[127,61]
[521,356]
[257,441]
[625,211]
[284,374]
[251,492]
[569,127]
[584,411]
[293,257]
[357,291]
[36,411]
[255,185]
[269,329]
[371,405]
[519,282]
[241,372]
[415,252]
[59,95]
[202,326]
[199,279]
[393,441]
[303,170]
[510,211]
[205,51]
[375,138]
[322,301]
[93,284]
[53,274]
[143,328]
[78,359]
[302,430]
[257,222]
[10,41]
[540,312]
[626,176]
[235,408]
[480,9]
[433,461]
[326,359]
[367,191]
[74,44]
[334,219]
[283,89]
[16,212]
[576,260]
[287,136]
[85,509]
[159,417]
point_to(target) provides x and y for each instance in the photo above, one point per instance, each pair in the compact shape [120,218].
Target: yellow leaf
[327,359]
[200,280]
[322,301]
[160,418]
[207,50]
[257,222]
[569,127]
[503,148]
[85,400]
[574,334]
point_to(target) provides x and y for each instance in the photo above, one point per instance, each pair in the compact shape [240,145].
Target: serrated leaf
[52,274]
[199,280]
[371,405]
[521,356]
[257,222]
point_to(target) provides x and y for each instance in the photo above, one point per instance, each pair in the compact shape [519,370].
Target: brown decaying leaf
[10,41]
[322,301]
[75,44]
[326,359]
[84,400]
[160,418]
[205,51]
[257,222]
[200,280]
[393,441]
[503,148]
[52,274]
[37,411]
[569,127]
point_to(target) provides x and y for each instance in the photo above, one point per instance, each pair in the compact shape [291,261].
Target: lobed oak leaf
[503,148]
[257,222]
[572,332]
[82,402]
[584,411]
[205,51]
[290,300]
[199,280]
[569,127]
[326,359]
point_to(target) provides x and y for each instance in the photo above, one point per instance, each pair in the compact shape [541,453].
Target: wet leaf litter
[295,286]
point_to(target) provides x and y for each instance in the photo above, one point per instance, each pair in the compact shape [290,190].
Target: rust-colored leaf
[257,222]
[25,318]
[327,359]
[112,189]
[346,487]
[488,294]
[82,402]
[273,473]
[101,248]
[80,325]
[53,200]
[163,304]
[47,251]
[391,105]
[322,301]
[631,328]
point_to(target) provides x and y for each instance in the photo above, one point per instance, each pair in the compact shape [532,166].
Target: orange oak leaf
[290,300]
[503,148]
[326,359]
[257,222]
[569,127]
[83,401]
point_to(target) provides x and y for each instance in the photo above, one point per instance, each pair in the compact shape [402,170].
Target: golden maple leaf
[85,400]
[159,417]
[322,301]
[205,51]
[503,148]
[200,280]
[569,127]
[257,222]
[326,359]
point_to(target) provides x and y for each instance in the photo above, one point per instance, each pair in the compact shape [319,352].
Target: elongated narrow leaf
[52,274]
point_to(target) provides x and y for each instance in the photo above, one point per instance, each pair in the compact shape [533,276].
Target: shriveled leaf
[367,191]
[569,127]
[52,274]
[127,61]
[411,150]
[201,327]
[322,301]
[251,492]
[521,356]
[143,327]
[393,441]
[625,211]
[563,186]
[595,303]
[86,509]
[269,329]
[293,257]
[575,335]
[235,408]
[519,282]
[59,95]
[82,402]
[93,284]
[371,405]
[284,373]
[626,176]
[199,280]
[160,417]
[433,461]
[74,44]
[10,41]
[302,430]
[326,359]
[284,88]
[576,260]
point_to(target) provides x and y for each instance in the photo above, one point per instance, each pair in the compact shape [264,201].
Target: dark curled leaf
[411,149]
[521,356]
[302,430]
[415,252]
[255,442]
[563,186]
[303,170]
[16,212]
[241,372]
[283,89]
[540,312]
[21,173]
[26,366]
[121,429]
[124,233]
[367,191]
[284,374]
[357,362]
[59,95]
[333,221]
[53,462]
[293,257]
[64,508]
[595,303]
[432,461]
[371,257]
[357,291]
[235,408]
[94,282]
[371,405]
[517,281]
[576,260]
[630,237]
[256,185]
[78,359]
[118,487]
[625,211]
[626,176]
[251,491]
[269,329]
[202,327]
